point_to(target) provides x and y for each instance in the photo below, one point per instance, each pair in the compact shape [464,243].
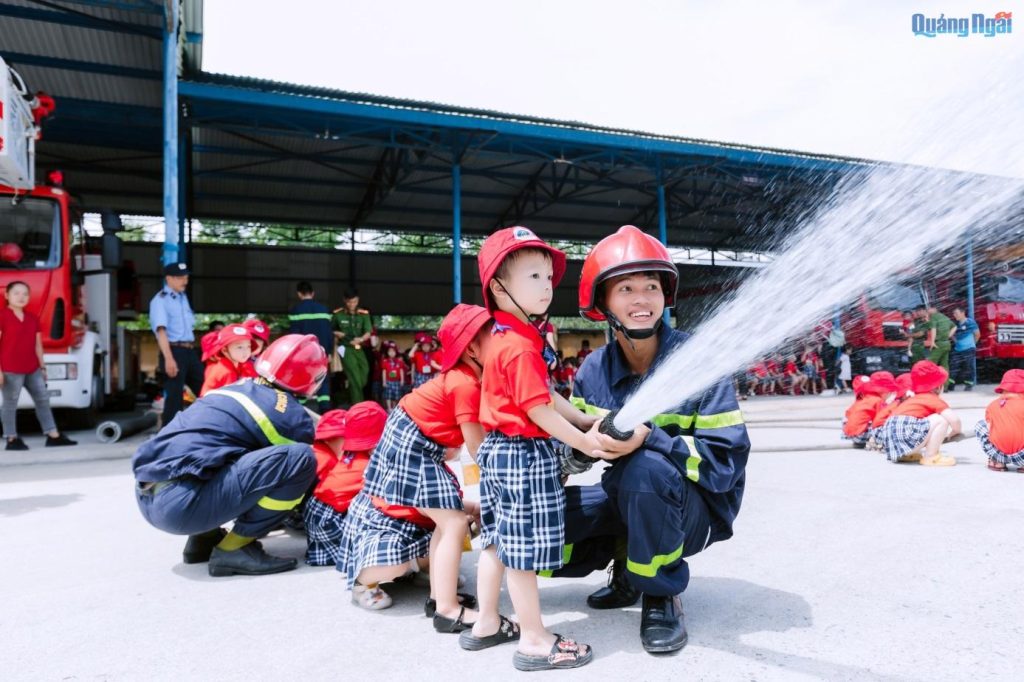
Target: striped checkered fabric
[859,438]
[902,434]
[392,390]
[981,430]
[407,468]
[420,379]
[370,538]
[323,533]
[522,502]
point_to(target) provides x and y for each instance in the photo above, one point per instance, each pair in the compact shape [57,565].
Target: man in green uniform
[919,334]
[938,342]
[352,329]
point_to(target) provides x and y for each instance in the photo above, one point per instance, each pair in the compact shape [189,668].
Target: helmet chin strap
[631,334]
[538,327]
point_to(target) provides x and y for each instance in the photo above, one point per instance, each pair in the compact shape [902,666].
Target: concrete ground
[843,566]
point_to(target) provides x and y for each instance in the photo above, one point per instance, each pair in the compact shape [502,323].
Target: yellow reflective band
[261,419]
[309,316]
[651,569]
[566,555]
[279,505]
[683,421]
[720,420]
[693,460]
[581,404]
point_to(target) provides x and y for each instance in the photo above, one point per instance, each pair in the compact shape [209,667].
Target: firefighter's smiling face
[636,299]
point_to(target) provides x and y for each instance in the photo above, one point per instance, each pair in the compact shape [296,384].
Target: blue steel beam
[69,17]
[21,58]
[170,109]
[970,277]
[456,233]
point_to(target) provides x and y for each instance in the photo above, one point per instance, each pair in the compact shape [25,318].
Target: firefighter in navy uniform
[241,452]
[310,317]
[681,490]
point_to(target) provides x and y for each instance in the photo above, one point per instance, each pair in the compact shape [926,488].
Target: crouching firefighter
[242,453]
[680,490]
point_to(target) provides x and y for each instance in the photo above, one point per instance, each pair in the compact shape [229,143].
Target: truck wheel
[87,417]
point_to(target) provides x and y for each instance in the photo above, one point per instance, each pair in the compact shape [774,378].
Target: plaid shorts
[421,379]
[323,533]
[392,390]
[371,538]
[859,438]
[902,434]
[991,451]
[522,502]
[407,468]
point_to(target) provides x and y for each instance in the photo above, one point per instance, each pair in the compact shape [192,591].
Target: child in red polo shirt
[919,425]
[857,420]
[232,350]
[521,496]
[392,375]
[408,467]
[903,391]
[424,360]
[1001,432]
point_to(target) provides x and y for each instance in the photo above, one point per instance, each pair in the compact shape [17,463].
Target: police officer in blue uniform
[241,452]
[681,489]
[171,319]
[311,317]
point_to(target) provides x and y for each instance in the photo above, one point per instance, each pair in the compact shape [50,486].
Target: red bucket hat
[331,425]
[423,337]
[207,343]
[1013,382]
[258,329]
[905,384]
[364,425]
[499,245]
[861,384]
[927,376]
[229,335]
[458,329]
[882,383]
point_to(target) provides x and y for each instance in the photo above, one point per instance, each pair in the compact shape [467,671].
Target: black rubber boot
[198,547]
[662,628]
[618,594]
[249,560]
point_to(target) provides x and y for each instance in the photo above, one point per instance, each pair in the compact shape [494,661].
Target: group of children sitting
[387,505]
[795,374]
[906,418]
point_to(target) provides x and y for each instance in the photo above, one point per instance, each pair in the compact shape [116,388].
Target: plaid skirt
[903,434]
[392,390]
[859,438]
[522,501]
[323,533]
[419,379]
[981,430]
[371,538]
[407,468]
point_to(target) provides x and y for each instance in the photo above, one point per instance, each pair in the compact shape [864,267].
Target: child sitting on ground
[920,424]
[1001,432]
[890,401]
[229,358]
[857,421]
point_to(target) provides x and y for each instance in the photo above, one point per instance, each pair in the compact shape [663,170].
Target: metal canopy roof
[263,151]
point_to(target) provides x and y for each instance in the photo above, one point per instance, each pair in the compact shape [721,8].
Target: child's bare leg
[488,592]
[446,555]
[371,575]
[936,435]
[535,640]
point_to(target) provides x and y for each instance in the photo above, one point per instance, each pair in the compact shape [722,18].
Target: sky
[847,78]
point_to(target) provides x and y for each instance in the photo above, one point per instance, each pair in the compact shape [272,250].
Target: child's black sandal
[507,632]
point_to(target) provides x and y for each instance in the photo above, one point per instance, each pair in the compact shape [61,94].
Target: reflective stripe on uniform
[683,421]
[693,460]
[649,570]
[309,316]
[279,505]
[258,415]
[566,556]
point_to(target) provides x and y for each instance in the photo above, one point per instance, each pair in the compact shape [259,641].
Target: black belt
[182,344]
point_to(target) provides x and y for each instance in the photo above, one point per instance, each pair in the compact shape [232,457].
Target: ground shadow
[25,505]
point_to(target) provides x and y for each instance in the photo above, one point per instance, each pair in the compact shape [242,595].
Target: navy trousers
[644,502]
[962,367]
[190,373]
[257,490]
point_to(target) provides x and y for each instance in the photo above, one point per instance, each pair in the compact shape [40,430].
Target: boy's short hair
[304,288]
[350,293]
[505,267]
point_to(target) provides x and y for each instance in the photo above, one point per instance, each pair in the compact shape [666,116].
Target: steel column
[970,277]
[170,110]
[456,233]
[662,224]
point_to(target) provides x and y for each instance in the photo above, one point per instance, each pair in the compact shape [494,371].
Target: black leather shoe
[618,594]
[249,560]
[662,629]
[198,547]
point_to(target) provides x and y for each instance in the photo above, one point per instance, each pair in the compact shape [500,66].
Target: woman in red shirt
[21,364]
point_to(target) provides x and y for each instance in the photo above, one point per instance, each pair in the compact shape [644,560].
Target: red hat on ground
[364,425]
[927,376]
[11,253]
[905,384]
[229,335]
[331,425]
[882,383]
[295,362]
[207,343]
[458,329]
[503,242]
[1013,382]
[861,384]
[258,329]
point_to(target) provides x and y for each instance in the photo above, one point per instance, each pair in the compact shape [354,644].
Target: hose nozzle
[607,427]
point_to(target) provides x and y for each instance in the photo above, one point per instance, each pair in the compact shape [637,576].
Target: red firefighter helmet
[627,251]
[11,252]
[295,362]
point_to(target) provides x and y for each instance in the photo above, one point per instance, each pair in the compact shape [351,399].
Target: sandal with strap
[430,606]
[370,598]
[996,466]
[508,631]
[453,626]
[565,654]
[939,460]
